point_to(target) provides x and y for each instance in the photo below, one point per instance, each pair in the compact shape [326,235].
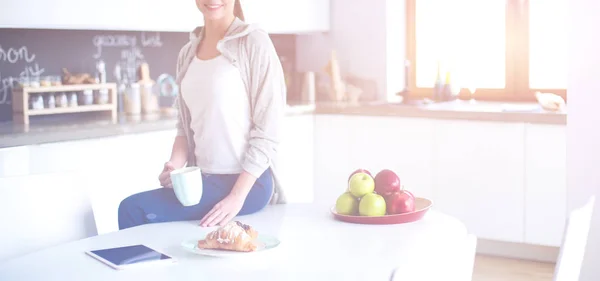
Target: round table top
[313,245]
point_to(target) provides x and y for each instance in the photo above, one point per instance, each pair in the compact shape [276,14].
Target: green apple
[361,184]
[372,205]
[346,204]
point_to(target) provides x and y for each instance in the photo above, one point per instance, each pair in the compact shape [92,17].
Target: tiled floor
[500,269]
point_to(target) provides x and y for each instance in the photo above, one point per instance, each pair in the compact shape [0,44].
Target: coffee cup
[187,184]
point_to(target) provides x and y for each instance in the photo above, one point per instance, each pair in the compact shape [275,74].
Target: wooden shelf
[74,109]
[64,88]
[22,112]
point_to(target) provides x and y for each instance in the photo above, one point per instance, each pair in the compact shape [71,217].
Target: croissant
[234,236]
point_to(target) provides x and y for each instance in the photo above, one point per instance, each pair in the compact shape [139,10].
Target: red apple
[360,171]
[387,182]
[400,202]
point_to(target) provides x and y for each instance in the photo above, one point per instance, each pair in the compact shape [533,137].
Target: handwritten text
[13,55]
[102,41]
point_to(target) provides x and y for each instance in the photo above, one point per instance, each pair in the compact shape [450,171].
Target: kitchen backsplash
[36,53]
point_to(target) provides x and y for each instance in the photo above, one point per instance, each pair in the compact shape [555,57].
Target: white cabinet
[296,158]
[151,15]
[14,161]
[40,211]
[479,176]
[291,16]
[546,184]
[332,156]
[404,146]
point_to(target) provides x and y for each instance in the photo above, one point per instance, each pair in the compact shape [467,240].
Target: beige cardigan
[251,50]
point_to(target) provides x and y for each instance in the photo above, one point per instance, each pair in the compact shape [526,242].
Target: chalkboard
[37,52]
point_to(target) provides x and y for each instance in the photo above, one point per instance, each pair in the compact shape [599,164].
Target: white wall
[369,39]
[583,123]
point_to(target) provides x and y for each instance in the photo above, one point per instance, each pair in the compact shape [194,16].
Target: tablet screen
[130,255]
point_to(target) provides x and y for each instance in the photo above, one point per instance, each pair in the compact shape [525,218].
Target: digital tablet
[130,256]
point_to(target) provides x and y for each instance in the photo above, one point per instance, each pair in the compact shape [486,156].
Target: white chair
[572,250]
[41,211]
[457,265]
[568,265]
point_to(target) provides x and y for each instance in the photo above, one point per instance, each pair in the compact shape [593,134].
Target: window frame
[517,58]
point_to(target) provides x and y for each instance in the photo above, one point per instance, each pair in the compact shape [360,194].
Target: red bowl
[422,205]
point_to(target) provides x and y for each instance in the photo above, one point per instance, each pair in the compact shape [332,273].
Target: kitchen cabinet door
[296,158]
[14,161]
[332,156]
[545,184]
[40,211]
[403,145]
[148,15]
[289,16]
[62,156]
[479,177]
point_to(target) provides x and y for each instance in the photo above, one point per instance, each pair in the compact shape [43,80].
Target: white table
[313,245]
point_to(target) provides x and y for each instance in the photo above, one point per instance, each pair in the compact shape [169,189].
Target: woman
[231,103]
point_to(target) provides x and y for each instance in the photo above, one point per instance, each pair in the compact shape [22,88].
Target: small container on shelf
[56,80]
[36,102]
[22,82]
[61,100]
[86,97]
[34,81]
[46,81]
[73,99]
[101,96]
[50,100]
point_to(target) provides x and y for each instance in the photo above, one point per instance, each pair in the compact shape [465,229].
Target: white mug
[187,184]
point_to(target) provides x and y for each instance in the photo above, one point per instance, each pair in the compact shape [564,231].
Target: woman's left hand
[223,211]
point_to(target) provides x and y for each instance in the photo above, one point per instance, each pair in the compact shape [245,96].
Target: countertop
[455,110]
[49,130]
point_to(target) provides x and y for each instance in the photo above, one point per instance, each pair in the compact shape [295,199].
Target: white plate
[265,242]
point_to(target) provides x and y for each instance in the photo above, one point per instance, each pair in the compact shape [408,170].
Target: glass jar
[61,100]
[56,80]
[23,82]
[36,101]
[34,81]
[86,97]
[73,99]
[46,81]
[50,101]
[101,96]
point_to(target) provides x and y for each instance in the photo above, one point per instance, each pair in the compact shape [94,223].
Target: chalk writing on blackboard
[14,55]
[151,40]
[30,71]
[125,41]
[102,41]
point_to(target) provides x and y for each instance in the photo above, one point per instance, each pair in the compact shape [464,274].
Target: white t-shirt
[220,114]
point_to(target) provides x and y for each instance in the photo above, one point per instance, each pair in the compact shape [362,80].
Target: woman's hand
[224,211]
[165,175]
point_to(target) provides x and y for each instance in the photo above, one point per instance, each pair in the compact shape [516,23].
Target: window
[502,49]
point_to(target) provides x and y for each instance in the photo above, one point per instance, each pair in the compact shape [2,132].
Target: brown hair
[237,10]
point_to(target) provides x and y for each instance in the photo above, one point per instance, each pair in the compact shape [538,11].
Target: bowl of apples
[379,199]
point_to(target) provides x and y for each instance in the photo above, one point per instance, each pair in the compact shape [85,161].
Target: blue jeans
[161,205]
